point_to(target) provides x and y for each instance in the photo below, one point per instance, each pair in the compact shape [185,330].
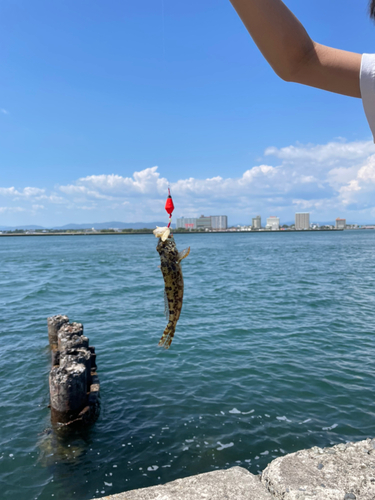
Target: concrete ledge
[343,472]
[231,484]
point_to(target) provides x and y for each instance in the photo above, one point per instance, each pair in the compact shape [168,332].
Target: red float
[169,207]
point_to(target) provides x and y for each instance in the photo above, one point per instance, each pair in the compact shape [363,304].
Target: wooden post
[74,384]
[68,391]
[80,355]
[54,324]
[71,332]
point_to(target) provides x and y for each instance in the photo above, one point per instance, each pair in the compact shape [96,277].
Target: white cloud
[148,182]
[32,191]
[352,186]
[27,192]
[70,189]
[217,187]
[314,204]
[328,180]
[4,210]
[339,176]
[79,191]
[53,198]
[344,174]
[367,172]
[9,191]
[360,189]
[143,182]
[4,111]
[307,179]
[327,154]
[85,207]
[310,177]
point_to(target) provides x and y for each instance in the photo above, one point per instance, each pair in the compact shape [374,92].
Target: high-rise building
[188,223]
[219,222]
[302,220]
[211,222]
[273,223]
[203,222]
[257,222]
[340,223]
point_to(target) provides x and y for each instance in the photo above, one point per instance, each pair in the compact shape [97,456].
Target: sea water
[274,352]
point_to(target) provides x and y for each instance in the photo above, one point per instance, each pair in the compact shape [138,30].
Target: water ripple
[273,353]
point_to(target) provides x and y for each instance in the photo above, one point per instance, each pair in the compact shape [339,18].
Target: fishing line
[163,28]
[169,207]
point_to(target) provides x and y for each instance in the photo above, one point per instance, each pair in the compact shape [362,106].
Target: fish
[170,265]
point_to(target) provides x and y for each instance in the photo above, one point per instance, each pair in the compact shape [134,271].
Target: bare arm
[292,54]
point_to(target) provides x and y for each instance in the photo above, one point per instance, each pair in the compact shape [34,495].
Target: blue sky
[102,104]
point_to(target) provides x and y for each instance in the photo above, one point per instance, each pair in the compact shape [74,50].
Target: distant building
[188,223]
[219,222]
[302,220]
[273,223]
[206,223]
[340,224]
[257,222]
[203,222]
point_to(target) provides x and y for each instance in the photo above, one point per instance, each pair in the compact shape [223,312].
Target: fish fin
[182,255]
[166,306]
[167,337]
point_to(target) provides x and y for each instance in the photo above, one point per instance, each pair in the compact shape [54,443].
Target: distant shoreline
[190,233]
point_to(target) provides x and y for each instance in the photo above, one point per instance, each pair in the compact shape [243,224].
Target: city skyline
[221,222]
[301,221]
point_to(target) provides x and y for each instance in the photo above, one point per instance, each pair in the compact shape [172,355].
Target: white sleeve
[367,83]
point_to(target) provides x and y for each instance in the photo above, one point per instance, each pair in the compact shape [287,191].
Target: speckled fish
[170,266]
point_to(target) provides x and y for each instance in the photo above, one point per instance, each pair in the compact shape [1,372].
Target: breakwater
[342,472]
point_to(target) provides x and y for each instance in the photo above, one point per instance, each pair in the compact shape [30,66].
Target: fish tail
[167,337]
